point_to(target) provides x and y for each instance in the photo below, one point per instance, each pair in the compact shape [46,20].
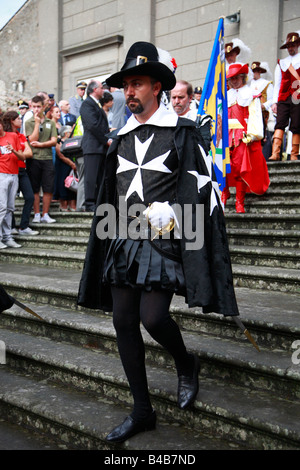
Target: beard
[135,106]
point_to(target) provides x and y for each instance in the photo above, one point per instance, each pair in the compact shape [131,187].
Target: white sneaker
[28,231]
[2,246]
[12,244]
[14,231]
[47,219]
[36,219]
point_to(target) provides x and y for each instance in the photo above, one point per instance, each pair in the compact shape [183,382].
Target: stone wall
[19,58]
[52,44]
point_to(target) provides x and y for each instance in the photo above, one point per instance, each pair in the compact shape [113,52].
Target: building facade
[50,44]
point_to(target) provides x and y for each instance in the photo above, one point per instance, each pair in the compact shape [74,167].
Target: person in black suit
[66,118]
[94,141]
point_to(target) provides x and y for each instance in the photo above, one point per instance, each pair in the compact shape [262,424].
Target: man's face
[236,82]
[46,101]
[180,99]
[65,107]
[140,93]
[292,49]
[197,96]
[37,109]
[99,91]
[80,92]
[231,57]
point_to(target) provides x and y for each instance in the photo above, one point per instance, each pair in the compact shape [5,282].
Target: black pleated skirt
[145,264]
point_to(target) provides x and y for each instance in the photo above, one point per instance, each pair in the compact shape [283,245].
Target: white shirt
[242,96]
[162,118]
[284,65]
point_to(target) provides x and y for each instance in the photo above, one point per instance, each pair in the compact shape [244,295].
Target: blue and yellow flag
[214,103]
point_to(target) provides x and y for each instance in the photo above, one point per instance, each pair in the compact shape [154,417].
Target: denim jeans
[26,189]
[8,190]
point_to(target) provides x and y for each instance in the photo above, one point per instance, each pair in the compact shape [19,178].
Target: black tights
[130,306]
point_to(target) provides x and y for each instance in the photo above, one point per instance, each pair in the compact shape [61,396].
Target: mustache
[134,100]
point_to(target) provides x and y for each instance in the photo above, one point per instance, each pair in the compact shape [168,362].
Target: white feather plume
[165,58]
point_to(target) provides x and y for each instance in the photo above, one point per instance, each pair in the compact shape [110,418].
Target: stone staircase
[63,386]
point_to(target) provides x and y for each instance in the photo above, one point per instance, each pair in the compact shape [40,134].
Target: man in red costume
[249,171]
[286,99]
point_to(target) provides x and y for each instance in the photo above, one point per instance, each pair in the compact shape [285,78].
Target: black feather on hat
[143,59]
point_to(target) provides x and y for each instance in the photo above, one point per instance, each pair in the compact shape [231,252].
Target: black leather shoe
[188,386]
[129,428]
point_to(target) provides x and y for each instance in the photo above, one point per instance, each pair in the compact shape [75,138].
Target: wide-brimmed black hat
[256,67]
[143,59]
[229,48]
[291,39]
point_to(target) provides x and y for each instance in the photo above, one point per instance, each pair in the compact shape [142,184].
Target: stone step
[76,244]
[102,374]
[290,171]
[71,362]
[233,220]
[40,284]
[263,277]
[43,284]
[263,221]
[285,183]
[59,288]
[243,255]
[223,349]
[63,217]
[279,194]
[49,257]
[273,320]
[76,420]
[265,256]
[14,437]
[264,238]
[63,230]
[279,166]
[254,221]
[266,206]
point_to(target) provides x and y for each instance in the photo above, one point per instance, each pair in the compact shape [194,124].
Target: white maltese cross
[156,164]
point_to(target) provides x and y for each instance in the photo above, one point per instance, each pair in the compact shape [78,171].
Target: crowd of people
[256,134]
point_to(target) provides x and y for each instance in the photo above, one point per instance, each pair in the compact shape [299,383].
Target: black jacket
[71,120]
[207,270]
[95,126]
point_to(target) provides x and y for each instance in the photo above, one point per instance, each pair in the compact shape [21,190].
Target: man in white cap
[76,101]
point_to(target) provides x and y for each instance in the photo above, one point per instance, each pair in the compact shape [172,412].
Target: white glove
[248,138]
[160,214]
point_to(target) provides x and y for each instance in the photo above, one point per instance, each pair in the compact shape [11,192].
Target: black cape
[208,272]
[6,300]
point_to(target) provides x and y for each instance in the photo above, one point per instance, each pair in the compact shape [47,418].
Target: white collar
[287,61]
[242,96]
[161,118]
[95,99]
[259,84]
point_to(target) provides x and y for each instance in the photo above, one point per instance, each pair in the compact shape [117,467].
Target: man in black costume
[156,161]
